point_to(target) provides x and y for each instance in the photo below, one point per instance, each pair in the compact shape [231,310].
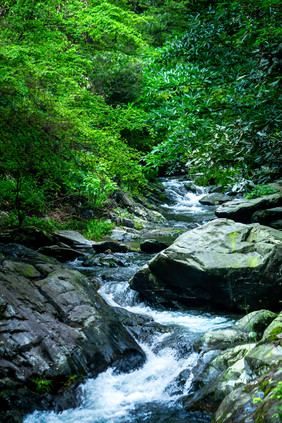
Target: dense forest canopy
[96,95]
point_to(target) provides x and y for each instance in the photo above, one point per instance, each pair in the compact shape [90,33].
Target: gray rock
[256,322]
[191,187]
[152,246]
[111,246]
[261,358]
[74,239]
[220,264]
[137,209]
[273,333]
[242,405]
[29,236]
[242,210]
[221,339]
[270,217]
[217,375]
[62,254]
[54,324]
[214,199]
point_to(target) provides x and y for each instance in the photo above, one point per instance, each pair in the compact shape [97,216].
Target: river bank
[150,393]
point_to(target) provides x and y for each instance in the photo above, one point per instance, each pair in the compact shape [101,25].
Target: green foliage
[84,92]
[55,112]
[21,195]
[93,229]
[212,94]
[260,190]
[277,395]
[43,385]
[70,381]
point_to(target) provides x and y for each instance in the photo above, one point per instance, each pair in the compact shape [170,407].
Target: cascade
[151,393]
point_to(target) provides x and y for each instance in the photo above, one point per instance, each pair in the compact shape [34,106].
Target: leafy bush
[260,190]
[212,95]
[92,229]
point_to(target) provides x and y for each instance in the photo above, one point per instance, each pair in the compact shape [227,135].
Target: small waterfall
[150,394]
[183,205]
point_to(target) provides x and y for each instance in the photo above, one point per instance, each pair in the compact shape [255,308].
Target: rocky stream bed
[147,326]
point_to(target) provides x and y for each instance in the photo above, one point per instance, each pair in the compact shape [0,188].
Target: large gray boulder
[253,403]
[214,199]
[220,264]
[53,324]
[242,210]
[229,361]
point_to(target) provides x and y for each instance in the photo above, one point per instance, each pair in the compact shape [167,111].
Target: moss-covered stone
[273,333]
[220,264]
[23,269]
[257,322]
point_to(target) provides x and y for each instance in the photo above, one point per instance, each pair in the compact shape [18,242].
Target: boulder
[273,333]
[242,210]
[152,246]
[110,246]
[256,322]
[53,324]
[221,264]
[137,209]
[73,238]
[216,376]
[219,370]
[214,199]
[221,339]
[253,403]
[62,254]
[191,187]
[29,236]
[261,358]
[269,217]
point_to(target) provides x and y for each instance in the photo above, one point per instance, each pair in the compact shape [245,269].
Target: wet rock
[74,239]
[253,403]
[273,333]
[221,339]
[242,210]
[261,358]
[125,221]
[191,187]
[137,209]
[216,375]
[28,236]
[220,264]
[62,254]
[53,324]
[140,326]
[256,322]
[152,246]
[115,247]
[220,371]
[269,217]
[214,199]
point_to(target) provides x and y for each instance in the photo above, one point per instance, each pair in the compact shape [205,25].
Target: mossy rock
[273,333]
[23,269]
[257,322]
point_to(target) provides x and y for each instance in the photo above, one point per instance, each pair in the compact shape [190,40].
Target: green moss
[273,335]
[253,261]
[233,237]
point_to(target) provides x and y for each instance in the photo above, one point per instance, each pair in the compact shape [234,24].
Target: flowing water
[152,393]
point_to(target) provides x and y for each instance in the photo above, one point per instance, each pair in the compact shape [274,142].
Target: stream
[152,393]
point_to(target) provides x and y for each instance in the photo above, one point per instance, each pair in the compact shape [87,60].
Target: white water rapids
[151,393]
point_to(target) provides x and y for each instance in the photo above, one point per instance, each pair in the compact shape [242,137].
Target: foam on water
[131,397]
[120,295]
